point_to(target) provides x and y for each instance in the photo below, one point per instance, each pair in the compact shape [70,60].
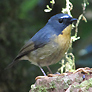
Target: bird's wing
[40,39]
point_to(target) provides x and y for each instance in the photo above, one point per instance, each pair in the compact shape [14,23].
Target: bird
[49,44]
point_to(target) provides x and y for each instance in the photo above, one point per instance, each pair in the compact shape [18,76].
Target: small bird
[49,44]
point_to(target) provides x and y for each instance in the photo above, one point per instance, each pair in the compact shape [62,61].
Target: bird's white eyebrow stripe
[65,16]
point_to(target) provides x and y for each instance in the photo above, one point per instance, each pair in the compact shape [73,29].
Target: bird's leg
[42,71]
[49,69]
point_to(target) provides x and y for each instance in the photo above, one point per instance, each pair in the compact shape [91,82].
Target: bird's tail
[12,64]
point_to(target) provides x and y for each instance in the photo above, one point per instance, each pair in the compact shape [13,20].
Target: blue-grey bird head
[60,21]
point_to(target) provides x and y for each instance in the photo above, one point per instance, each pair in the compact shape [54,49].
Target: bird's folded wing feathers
[33,44]
[40,39]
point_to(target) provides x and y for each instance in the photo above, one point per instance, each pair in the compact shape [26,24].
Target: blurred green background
[19,21]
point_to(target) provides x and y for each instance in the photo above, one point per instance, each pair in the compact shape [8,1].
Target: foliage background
[19,21]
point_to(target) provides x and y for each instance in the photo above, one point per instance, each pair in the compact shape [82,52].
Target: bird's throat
[67,30]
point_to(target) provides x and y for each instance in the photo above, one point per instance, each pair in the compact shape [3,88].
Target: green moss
[42,88]
[78,79]
[52,84]
[38,88]
[67,80]
[84,85]
[88,73]
[87,83]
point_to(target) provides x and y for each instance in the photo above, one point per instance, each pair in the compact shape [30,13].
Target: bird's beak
[73,19]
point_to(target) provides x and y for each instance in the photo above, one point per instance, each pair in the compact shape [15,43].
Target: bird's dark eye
[60,20]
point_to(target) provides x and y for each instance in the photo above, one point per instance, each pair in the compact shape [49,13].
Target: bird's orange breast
[64,38]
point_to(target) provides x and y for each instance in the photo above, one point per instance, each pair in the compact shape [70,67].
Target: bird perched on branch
[49,44]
